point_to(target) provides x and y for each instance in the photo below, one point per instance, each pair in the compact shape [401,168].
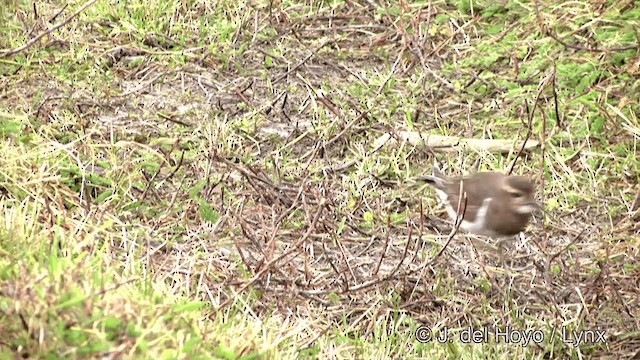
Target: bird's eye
[515,194]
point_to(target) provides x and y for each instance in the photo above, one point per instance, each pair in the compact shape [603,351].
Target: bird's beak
[536,207]
[530,208]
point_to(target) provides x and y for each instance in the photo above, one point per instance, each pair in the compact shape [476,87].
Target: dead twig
[31,42]
[384,248]
[291,249]
[584,48]
[543,84]
[462,205]
[296,66]
[555,37]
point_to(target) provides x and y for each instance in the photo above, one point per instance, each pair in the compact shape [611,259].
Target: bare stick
[384,248]
[296,66]
[541,87]
[583,48]
[30,43]
[462,200]
[462,205]
[572,46]
[293,248]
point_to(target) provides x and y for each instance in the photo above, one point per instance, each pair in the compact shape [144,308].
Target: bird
[498,205]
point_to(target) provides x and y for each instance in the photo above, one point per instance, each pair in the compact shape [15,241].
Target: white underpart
[475,227]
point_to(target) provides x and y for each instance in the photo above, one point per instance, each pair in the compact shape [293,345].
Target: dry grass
[189,180]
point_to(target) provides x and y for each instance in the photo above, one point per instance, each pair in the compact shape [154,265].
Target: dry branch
[444,143]
[5,53]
